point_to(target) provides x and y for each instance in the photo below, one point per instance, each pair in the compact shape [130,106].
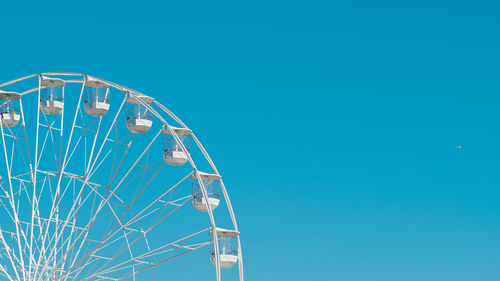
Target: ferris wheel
[101,182]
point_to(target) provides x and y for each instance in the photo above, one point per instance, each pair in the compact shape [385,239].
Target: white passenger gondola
[139,118]
[96,97]
[52,95]
[228,248]
[9,108]
[212,186]
[172,151]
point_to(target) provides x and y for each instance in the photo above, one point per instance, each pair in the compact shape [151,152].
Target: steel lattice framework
[84,198]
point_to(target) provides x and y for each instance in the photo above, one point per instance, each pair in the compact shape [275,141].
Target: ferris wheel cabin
[172,150]
[96,97]
[52,95]
[228,248]
[211,182]
[9,108]
[139,118]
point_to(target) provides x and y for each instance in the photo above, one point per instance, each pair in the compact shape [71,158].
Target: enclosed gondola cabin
[228,248]
[96,97]
[172,150]
[139,118]
[52,95]
[211,182]
[9,108]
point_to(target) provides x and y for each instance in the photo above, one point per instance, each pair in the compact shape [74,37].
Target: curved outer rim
[137,95]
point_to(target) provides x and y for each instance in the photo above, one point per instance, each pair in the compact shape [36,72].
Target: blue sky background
[334,123]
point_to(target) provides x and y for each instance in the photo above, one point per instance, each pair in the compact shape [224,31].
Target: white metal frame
[54,255]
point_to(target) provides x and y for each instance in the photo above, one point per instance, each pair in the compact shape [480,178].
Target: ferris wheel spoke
[138,193]
[60,232]
[142,232]
[25,240]
[106,138]
[87,177]
[175,248]
[114,171]
[119,253]
[113,191]
[100,163]
[148,254]
[87,232]
[125,236]
[75,148]
[163,261]
[73,216]
[104,202]
[93,146]
[4,273]
[36,213]
[99,152]
[61,169]
[16,140]
[73,257]
[56,160]
[153,211]
[4,204]
[74,227]
[95,193]
[78,199]
[133,165]
[53,217]
[8,164]
[138,216]
[160,197]
[11,256]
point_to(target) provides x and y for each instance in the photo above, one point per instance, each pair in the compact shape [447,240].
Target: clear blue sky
[334,123]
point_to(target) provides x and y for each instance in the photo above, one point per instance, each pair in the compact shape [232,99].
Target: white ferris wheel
[101,182]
